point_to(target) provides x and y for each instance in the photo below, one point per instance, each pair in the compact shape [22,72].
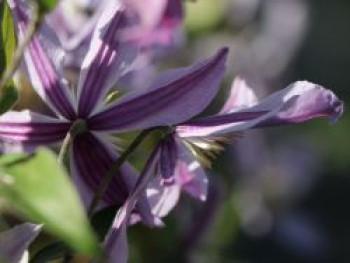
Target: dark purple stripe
[225,119]
[41,131]
[50,80]
[46,72]
[93,162]
[53,126]
[124,114]
[98,70]
[168,158]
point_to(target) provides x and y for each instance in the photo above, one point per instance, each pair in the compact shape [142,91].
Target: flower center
[79,126]
[206,149]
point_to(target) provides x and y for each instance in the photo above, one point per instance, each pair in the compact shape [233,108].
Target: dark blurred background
[279,194]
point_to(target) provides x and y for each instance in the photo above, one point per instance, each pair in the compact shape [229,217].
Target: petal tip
[337,109]
[223,52]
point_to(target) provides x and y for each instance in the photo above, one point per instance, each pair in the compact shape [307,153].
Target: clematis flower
[179,157]
[15,241]
[192,144]
[155,25]
[174,97]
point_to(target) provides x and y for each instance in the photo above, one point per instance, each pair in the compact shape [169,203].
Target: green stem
[17,56]
[115,167]
[77,127]
[65,148]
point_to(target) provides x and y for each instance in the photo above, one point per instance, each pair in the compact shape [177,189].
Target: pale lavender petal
[42,62]
[241,96]
[106,60]
[162,198]
[15,241]
[150,16]
[174,97]
[158,22]
[26,129]
[91,158]
[190,174]
[115,243]
[299,102]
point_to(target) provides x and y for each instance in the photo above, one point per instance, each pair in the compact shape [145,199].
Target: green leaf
[8,98]
[7,36]
[39,188]
[46,6]
[203,15]
[8,93]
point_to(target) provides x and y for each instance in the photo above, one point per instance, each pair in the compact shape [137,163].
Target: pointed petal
[174,97]
[106,59]
[42,61]
[89,166]
[162,198]
[313,101]
[241,96]
[15,241]
[115,243]
[299,102]
[26,129]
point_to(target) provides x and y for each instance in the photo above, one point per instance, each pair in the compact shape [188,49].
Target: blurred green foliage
[38,187]
[8,93]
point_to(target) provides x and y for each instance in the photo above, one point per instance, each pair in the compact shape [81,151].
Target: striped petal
[91,158]
[15,241]
[106,60]
[42,62]
[26,130]
[174,97]
[115,244]
[299,102]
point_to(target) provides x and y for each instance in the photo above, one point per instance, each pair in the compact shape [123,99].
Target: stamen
[205,150]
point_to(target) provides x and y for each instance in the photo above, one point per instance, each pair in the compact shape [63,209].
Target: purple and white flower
[193,143]
[168,101]
[177,158]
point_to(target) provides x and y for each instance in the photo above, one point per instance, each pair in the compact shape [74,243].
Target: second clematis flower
[179,158]
[174,97]
[192,144]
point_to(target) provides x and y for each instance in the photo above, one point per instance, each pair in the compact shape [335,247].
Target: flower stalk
[115,167]
[79,126]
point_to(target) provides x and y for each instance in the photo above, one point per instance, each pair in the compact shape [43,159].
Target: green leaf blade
[41,190]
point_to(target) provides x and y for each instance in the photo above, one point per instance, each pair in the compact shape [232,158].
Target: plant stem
[115,167]
[65,148]
[17,56]
[77,127]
